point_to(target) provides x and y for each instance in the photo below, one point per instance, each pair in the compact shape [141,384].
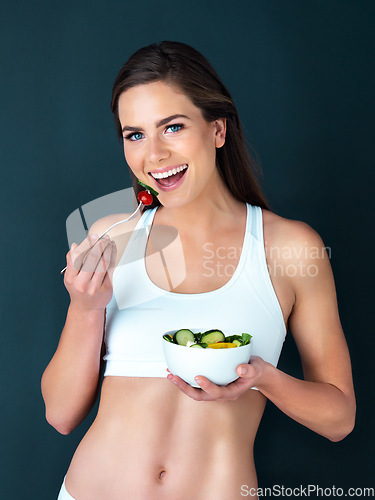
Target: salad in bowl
[211,353]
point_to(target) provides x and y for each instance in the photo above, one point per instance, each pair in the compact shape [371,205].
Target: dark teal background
[302,75]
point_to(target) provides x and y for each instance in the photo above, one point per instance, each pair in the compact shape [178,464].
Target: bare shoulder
[103,224]
[282,232]
[296,256]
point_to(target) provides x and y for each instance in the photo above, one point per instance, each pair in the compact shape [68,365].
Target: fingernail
[243,370]
[197,379]
[94,236]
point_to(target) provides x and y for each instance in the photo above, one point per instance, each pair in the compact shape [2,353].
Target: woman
[243,269]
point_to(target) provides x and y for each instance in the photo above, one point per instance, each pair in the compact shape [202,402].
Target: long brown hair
[184,67]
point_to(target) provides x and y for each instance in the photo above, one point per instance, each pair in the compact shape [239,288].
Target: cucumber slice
[182,337]
[200,344]
[168,337]
[232,338]
[237,342]
[213,336]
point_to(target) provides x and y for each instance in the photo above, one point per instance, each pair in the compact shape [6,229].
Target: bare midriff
[149,440]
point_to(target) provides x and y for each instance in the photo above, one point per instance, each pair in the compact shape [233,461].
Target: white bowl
[218,365]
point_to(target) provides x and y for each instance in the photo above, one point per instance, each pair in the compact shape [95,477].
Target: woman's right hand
[88,279]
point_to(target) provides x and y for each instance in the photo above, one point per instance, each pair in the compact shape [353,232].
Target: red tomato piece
[145,197]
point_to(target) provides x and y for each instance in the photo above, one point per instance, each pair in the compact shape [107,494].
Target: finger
[213,390]
[70,269]
[246,370]
[196,394]
[108,277]
[232,391]
[107,283]
[113,260]
[79,253]
[102,267]
[229,392]
[240,386]
[93,257]
[83,279]
[112,263]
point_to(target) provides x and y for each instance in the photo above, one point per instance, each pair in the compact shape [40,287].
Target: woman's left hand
[250,375]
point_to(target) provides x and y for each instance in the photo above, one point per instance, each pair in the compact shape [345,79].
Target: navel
[162,474]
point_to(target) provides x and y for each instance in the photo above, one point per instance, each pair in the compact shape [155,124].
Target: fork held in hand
[105,232]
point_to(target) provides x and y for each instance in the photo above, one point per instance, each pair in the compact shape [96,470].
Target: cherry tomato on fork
[145,197]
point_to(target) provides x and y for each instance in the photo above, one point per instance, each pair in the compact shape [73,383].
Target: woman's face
[165,132]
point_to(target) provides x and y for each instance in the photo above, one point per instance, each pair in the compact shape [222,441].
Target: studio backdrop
[302,77]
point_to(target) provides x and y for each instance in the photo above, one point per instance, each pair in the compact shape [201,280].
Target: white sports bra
[140,312]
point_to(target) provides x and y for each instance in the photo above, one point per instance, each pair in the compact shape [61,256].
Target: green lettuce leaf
[246,338]
[155,193]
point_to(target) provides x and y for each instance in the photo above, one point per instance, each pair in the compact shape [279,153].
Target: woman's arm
[70,381]
[321,406]
[324,401]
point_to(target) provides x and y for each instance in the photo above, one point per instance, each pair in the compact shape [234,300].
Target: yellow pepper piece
[222,345]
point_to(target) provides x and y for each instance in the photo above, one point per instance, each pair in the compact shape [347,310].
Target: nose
[157,149]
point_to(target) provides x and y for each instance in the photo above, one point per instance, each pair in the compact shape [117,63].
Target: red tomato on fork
[145,197]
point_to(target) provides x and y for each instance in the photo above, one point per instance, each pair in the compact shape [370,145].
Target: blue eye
[137,136]
[175,127]
[134,136]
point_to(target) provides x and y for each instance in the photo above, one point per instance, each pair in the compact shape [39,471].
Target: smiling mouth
[171,179]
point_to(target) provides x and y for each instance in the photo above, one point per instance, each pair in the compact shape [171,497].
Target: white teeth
[169,173]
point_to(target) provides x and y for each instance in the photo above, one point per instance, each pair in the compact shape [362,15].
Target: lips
[170,182]
[166,171]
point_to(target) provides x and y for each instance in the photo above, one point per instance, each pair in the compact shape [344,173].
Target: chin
[172,203]
[175,199]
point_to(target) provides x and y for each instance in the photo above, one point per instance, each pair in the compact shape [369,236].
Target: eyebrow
[158,124]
